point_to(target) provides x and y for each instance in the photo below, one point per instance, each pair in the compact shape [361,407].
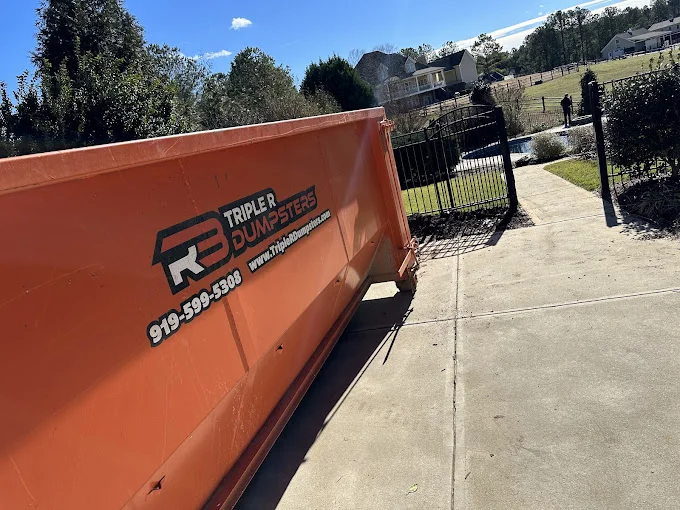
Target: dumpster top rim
[22,172]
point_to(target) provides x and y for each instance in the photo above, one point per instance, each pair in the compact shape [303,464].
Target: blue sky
[297,32]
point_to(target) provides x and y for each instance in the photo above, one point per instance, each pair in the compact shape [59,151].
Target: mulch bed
[656,200]
[432,227]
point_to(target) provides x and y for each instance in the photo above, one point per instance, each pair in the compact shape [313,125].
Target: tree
[256,90]
[426,51]
[94,82]
[185,75]
[559,21]
[97,81]
[580,35]
[355,55]
[337,77]
[449,48]
[386,48]
[69,29]
[414,54]
[588,76]
[490,54]
[661,9]
[610,15]
[580,16]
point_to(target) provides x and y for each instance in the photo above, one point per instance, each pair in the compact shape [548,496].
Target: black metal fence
[460,163]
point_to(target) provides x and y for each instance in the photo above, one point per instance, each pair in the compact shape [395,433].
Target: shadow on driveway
[343,368]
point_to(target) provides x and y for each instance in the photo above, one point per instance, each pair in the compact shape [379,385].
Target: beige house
[399,79]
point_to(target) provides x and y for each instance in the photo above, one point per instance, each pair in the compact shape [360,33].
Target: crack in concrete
[455,379]
[456,317]
[573,303]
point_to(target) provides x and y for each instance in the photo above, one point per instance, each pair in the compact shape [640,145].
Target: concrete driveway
[537,368]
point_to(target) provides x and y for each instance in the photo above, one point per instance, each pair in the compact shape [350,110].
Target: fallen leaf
[413,488]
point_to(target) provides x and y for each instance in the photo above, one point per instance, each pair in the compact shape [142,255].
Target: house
[659,35]
[651,41]
[410,84]
[460,67]
[626,42]
[665,33]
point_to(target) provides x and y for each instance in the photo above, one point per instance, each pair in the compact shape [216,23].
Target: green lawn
[605,71]
[465,189]
[582,173]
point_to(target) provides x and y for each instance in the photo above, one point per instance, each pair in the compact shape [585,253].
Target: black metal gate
[460,163]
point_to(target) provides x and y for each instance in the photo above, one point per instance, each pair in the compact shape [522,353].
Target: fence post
[431,163]
[599,139]
[543,99]
[507,162]
[530,81]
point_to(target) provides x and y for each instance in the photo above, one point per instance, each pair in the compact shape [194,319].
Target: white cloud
[238,23]
[513,36]
[210,55]
[216,54]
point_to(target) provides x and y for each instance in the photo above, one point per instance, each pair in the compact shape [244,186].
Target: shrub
[587,77]
[547,147]
[642,121]
[482,94]
[657,200]
[582,142]
[512,101]
[407,123]
[524,161]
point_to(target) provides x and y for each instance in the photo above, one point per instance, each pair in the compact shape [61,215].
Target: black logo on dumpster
[195,248]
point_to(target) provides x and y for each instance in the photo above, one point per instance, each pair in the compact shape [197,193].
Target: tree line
[97,80]
[575,35]
[578,35]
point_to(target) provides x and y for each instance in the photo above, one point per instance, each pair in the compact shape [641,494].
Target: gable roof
[662,25]
[632,36]
[637,31]
[369,66]
[450,61]
[649,35]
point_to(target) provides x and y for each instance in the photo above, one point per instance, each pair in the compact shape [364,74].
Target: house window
[423,81]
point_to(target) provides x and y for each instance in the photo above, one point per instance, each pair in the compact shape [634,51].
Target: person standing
[566,109]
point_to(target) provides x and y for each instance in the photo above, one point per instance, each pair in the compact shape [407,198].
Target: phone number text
[169,323]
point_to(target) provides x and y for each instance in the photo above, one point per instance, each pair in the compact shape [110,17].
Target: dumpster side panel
[355,186]
[160,298]
[202,461]
[71,363]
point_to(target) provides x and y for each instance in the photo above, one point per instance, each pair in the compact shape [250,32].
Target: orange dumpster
[166,303]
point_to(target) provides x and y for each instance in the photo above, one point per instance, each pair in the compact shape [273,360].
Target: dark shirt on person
[566,104]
